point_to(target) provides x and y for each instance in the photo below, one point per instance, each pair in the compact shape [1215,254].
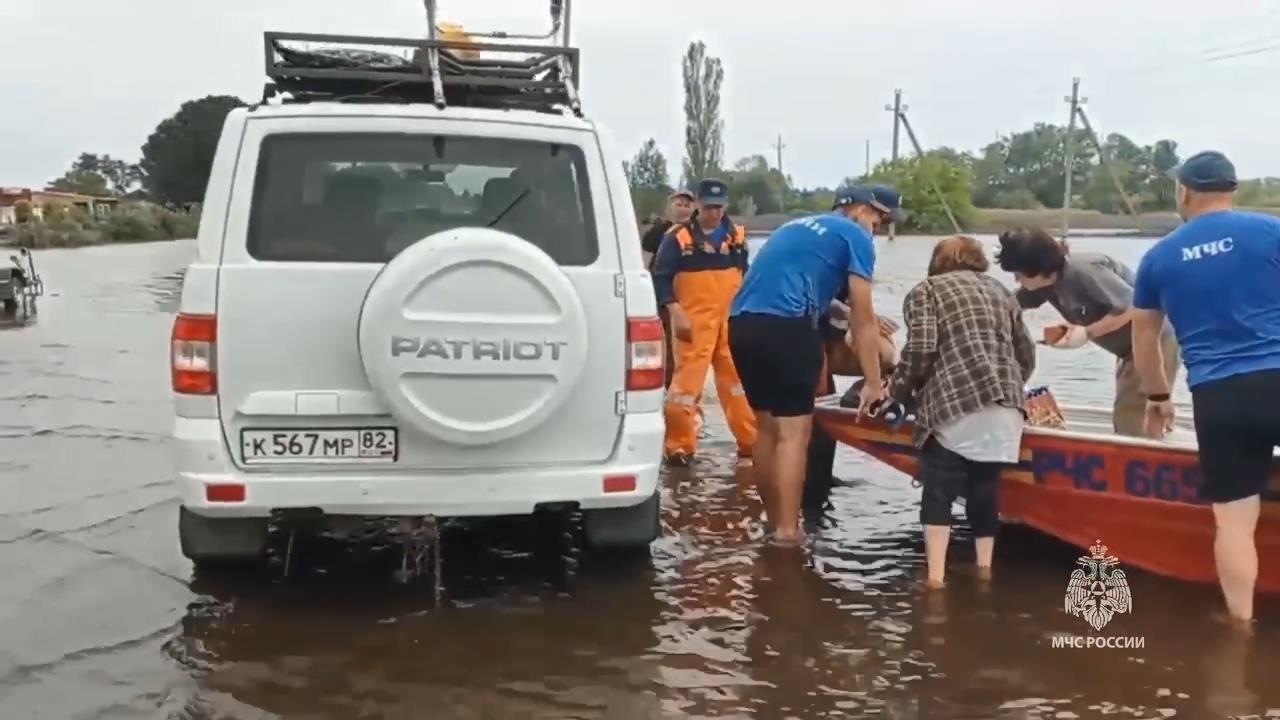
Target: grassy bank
[128,223]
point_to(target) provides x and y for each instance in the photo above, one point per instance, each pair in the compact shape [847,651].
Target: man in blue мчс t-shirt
[1217,279]
[776,345]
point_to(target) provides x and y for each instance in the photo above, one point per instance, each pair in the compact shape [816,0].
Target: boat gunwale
[832,403]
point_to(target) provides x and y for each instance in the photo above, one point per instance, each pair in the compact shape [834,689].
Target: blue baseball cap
[1208,171]
[713,192]
[881,197]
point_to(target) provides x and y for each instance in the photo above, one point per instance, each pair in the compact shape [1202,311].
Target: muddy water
[101,617]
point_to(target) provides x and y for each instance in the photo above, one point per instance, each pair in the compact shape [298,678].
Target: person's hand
[887,326]
[681,327]
[1158,419]
[869,397]
[1070,336]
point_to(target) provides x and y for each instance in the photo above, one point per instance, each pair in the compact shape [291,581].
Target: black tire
[11,307]
[221,541]
[627,528]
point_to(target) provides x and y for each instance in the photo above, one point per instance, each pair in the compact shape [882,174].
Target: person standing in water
[777,348]
[963,370]
[1217,280]
[699,268]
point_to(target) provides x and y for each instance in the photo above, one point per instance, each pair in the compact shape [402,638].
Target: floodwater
[101,617]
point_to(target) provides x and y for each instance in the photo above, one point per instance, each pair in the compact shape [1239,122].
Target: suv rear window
[365,197]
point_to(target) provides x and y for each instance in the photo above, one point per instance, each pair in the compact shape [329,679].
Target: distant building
[11,197]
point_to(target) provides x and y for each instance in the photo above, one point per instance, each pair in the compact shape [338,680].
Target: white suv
[415,309]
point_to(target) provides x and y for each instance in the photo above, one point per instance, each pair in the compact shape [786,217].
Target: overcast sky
[87,75]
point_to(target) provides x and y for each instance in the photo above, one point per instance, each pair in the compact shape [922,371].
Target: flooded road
[100,616]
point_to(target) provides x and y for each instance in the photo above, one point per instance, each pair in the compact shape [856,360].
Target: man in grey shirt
[1094,294]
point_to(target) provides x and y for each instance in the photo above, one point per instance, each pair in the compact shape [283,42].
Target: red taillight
[192,353]
[619,483]
[224,492]
[645,354]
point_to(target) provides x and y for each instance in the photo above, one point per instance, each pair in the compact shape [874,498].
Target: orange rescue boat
[1082,483]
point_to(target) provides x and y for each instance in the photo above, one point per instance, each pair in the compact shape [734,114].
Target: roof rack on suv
[456,70]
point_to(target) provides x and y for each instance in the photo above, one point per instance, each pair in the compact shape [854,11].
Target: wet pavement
[101,617]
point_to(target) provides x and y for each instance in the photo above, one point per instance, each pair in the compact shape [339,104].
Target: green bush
[64,227]
[1017,199]
[179,225]
[61,234]
[133,224]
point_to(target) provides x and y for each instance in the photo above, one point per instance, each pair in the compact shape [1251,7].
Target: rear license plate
[328,445]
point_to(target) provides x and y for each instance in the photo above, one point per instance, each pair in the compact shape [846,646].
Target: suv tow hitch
[418,537]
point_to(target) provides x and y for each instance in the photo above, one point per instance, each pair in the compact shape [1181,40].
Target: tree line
[1023,170]
[155,194]
[174,163]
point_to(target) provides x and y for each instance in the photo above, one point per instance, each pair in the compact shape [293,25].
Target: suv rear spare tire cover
[473,336]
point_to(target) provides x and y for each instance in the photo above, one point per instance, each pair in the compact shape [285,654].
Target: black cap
[881,197]
[1208,171]
[713,192]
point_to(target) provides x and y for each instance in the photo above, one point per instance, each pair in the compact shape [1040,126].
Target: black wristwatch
[1158,397]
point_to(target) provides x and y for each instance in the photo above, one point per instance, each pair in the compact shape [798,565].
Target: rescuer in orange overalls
[698,269]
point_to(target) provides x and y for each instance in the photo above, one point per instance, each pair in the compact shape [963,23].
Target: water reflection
[166,291]
[337,642]
[17,323]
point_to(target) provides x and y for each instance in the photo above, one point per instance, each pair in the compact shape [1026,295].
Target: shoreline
[8,243]
[992,221]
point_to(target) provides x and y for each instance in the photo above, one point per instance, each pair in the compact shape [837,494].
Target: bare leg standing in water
[1236,554]
[1217,280]
[946,474]
[788,476]
[766,443]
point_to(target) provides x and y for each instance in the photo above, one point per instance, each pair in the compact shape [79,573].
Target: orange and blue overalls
[702,272]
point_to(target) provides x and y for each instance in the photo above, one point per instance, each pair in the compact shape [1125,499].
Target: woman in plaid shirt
[963,371]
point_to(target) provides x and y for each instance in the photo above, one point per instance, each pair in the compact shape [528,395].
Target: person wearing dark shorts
[782,359]
[1217,280]
[964,364]
[774,338]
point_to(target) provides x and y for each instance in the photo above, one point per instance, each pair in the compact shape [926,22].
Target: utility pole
[782,190]
[1078,113]
[937,191]
[897,109]
[1102,160]
[1076,101]
[868,157]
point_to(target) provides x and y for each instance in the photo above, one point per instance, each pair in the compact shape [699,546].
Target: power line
[1244,53]
[1230,47]
[1217,53]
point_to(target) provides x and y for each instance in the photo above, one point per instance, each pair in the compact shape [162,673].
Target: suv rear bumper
[202,461]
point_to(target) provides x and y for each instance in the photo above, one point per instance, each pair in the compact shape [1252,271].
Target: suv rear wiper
[508,208]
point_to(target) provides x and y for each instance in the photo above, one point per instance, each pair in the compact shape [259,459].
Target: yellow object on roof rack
[453,32]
